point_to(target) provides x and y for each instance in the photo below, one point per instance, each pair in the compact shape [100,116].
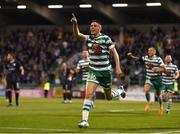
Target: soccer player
[99,48]
[153,76]
[66,80]
[168,79]
[14,70]
[83,67]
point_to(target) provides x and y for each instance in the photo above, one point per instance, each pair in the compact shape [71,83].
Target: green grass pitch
[51,116]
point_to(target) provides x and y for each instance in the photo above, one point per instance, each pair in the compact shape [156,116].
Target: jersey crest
[97,48]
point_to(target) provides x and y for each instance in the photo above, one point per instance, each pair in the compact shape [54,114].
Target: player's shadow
[121,113]
[137,130]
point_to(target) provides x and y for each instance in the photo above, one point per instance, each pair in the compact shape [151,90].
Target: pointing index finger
[73,15]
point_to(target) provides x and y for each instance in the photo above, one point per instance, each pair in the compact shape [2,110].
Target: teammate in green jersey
[168,80]
[154,67]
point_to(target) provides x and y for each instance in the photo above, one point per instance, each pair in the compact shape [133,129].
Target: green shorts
[155,83]
[168,88]
[103,78]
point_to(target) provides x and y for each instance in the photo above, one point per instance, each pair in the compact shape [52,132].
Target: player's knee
[147,88]
[88,96]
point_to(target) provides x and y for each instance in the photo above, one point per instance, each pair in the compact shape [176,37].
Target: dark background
[37,12]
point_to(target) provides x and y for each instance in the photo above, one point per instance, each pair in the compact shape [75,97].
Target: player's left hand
[119,71]
[174,76]
[73,19]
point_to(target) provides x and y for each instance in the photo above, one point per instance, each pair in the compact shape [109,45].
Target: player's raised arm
[76,31]
[130,55]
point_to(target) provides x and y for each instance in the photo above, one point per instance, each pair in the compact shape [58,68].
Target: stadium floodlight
[55,6]
[21,7]
[153,4]
[119,5]
[85,5]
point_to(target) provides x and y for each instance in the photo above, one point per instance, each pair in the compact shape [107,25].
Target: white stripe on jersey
[112,46]
[82,64]
[169,79]
[103,51]
[99,63]
[101,69]
[99,57]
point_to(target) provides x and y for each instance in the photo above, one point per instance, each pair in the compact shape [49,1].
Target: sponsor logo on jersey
[97,48]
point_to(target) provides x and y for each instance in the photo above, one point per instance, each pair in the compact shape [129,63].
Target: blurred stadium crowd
[42,50]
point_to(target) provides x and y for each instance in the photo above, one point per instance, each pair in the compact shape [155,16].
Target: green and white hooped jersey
[154,61]
[83,65]
[169,79]
[99,51]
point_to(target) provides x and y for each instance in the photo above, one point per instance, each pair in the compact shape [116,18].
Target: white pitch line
[58,130]
[172,131]
[39,129]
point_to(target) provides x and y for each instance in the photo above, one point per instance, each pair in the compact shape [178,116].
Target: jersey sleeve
[161,63]
[176,69]
[141,58]
[87,37]
[109,43]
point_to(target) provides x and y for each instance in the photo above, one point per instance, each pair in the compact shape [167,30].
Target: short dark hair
[97,21]
[151,47]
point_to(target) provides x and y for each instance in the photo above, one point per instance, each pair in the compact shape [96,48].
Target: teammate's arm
[161,69]
[130,55]
[117,61]
[71,73]
[76,31]
[176,75]
[4,82]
